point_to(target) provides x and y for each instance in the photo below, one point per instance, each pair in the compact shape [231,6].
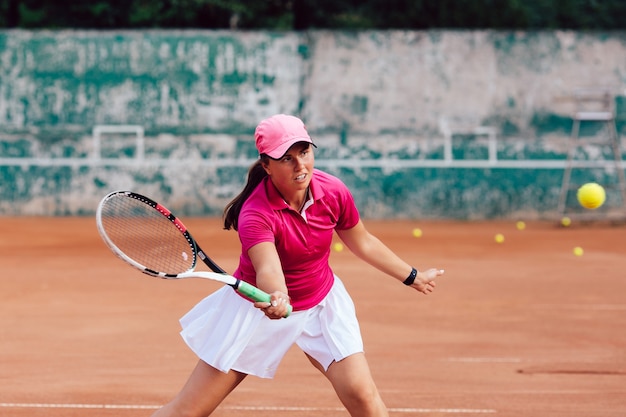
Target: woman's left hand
[425,280]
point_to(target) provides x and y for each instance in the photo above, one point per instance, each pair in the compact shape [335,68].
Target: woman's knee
[355,386]
[363,393]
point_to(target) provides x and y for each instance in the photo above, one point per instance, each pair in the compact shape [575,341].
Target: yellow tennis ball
[520,225]
[578,251]
[591,195]
[417,232]
[499,238]
[566,221]
[338,247]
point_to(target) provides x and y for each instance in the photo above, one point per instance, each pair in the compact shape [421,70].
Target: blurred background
[470,109]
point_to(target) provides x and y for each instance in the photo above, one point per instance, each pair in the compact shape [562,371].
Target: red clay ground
[518,329]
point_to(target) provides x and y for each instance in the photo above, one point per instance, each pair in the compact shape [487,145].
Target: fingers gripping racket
[149,237]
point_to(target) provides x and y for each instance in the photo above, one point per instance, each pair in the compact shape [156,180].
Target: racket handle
[254,293]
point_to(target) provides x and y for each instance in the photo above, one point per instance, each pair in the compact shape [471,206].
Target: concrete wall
[374,102]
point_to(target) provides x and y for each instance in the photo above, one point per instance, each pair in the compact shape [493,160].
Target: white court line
[485,360]
[592,307]
[246,408]
[88,406]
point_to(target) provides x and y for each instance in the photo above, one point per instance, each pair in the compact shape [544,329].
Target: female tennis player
[286,216]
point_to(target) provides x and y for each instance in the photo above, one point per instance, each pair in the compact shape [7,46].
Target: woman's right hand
[277,308]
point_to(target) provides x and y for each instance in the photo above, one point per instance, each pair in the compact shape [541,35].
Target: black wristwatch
[411,278]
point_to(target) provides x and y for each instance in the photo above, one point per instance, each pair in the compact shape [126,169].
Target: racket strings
[146,236]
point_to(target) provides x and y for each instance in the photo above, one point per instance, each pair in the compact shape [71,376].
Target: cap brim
[284,147]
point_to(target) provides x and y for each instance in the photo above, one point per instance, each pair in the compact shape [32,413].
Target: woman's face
[294,170]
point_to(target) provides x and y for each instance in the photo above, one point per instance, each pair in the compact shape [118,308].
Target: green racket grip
[254,293]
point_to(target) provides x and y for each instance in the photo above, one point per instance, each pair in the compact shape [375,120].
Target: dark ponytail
[256,173]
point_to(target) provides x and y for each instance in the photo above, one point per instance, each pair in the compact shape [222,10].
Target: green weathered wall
[374,102]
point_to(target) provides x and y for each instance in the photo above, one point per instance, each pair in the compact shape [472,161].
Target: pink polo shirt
[303,245]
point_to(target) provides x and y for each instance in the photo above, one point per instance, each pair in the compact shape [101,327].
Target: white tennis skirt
[228,332]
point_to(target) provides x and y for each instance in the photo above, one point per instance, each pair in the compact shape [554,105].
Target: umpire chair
[594,105]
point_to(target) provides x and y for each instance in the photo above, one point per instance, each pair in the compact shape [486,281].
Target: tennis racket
[149,237]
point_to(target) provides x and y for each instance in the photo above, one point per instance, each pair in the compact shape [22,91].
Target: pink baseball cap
[275,135]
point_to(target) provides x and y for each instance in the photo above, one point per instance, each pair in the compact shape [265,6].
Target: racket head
[146,235]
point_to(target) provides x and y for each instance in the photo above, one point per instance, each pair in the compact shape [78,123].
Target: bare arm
[270,278]
[370,249]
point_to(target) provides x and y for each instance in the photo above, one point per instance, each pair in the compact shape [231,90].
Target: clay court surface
[519,329]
